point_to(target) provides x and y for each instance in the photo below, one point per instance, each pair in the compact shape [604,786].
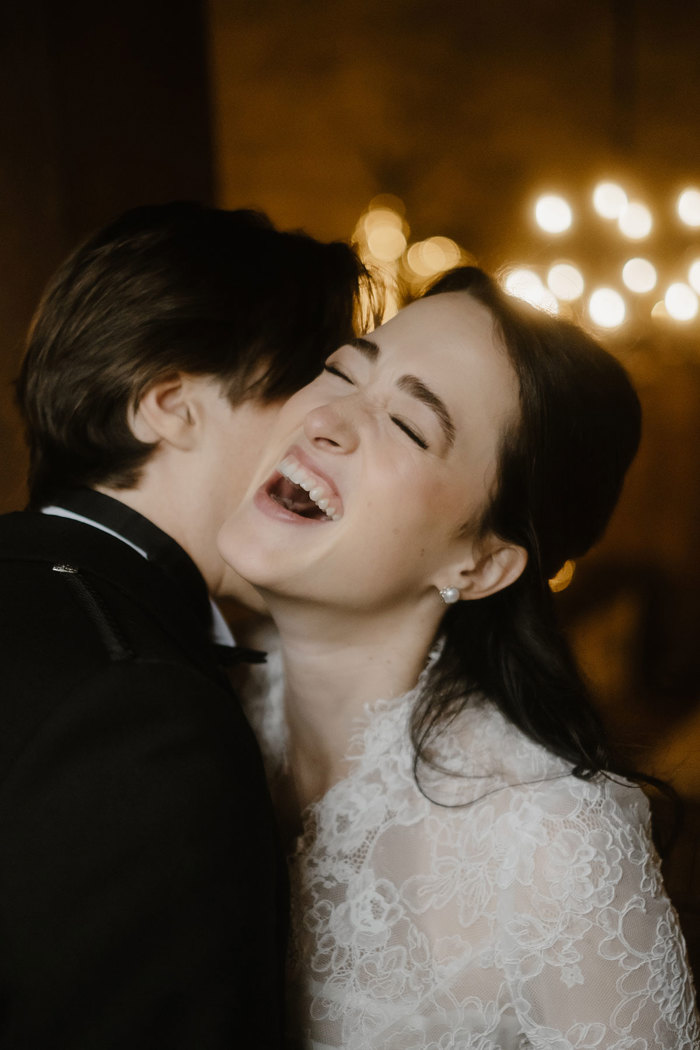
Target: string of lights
[639,288]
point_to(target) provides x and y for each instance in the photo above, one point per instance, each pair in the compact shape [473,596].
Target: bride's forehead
[450,343]
[446,325]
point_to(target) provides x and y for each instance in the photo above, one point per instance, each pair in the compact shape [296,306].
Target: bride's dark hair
[561,467]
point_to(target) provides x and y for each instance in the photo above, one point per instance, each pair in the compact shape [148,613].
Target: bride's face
[372,471]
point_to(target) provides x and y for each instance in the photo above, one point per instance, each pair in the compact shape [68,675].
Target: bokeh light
[433,255]
[547,301]
[639,275]
[375,218]
[386,243]
[525,284]
[635,221]
[606,308]
[609,200]
[383,237]
[689,207]
[553,214]
[681,301]
[565,281]
[383,229]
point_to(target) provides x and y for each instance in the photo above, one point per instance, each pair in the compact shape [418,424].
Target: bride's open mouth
[303,492]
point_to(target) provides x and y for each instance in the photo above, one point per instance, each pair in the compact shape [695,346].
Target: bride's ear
[487,568]
[167,412]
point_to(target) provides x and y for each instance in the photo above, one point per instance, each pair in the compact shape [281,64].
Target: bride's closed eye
[407,429]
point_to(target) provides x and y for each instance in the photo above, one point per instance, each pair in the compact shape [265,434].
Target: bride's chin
[234,546]
[248,571]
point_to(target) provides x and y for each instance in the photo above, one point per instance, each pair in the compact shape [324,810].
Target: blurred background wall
[102,106]
[454,118]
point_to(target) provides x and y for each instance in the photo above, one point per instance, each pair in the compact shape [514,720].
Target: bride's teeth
[293,470]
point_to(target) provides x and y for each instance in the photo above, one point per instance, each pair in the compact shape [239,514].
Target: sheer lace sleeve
[549,925]
[588,942]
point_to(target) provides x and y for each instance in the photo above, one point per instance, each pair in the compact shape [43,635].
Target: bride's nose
[333,426]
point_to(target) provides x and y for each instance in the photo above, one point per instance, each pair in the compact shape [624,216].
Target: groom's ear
[169,411]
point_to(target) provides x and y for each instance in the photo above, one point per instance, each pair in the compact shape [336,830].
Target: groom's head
[162,346]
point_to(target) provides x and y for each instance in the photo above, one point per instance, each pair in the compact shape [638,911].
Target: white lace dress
[530,915]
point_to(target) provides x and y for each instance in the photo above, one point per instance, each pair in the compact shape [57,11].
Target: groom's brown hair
[165,289]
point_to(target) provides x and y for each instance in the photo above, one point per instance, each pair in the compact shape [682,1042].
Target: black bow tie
[229,655]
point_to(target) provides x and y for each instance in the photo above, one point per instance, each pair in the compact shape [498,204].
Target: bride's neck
[334,662]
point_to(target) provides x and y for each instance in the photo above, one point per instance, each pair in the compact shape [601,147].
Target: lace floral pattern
[530,914]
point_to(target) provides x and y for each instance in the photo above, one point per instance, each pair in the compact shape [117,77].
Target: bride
[468,868]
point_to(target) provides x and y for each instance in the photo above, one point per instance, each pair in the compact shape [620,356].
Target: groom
[142,898]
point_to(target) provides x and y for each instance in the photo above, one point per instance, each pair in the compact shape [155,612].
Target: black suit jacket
[142,897]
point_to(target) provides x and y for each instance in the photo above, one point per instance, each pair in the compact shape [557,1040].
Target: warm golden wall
[462,108]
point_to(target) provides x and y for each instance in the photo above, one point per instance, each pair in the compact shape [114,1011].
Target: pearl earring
[449,595]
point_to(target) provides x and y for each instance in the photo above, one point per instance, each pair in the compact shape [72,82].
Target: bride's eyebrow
[415,387]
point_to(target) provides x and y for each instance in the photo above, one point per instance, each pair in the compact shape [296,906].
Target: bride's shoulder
[485,761]
[481,743]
